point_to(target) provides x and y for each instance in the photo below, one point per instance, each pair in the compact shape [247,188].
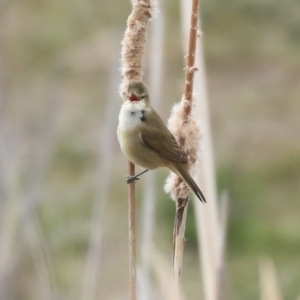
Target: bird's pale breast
[135,149]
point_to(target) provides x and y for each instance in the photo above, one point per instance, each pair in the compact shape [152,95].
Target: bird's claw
[129,179]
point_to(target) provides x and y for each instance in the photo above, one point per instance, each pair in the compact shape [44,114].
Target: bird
[145,139]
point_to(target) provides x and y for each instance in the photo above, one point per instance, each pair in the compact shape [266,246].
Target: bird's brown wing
[162,141]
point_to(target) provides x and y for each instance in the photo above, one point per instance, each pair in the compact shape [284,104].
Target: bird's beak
[134,97]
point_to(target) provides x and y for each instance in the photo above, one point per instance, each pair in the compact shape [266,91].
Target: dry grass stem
[210,229]
[42,155]
[133,48]
[8,232]
[224,211]
[269,287]
[161,269]
[187,133]
[40,257]
[92,270]
[190,69]
[22,196]
[132,234]
[178,240]
[155,62]
[207,216]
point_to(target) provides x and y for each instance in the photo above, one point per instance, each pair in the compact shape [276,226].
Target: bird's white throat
[131,114]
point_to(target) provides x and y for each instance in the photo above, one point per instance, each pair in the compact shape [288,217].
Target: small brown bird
[145,139]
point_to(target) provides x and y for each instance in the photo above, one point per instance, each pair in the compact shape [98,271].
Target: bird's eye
[143,97]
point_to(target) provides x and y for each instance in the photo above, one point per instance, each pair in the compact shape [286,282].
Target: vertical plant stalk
[222,243]
[92,270]
[161,269]
[184,138]
[132,234]
[178,240]
[269,286]
[155,82]
[133,48]
[207,217]
[190,68]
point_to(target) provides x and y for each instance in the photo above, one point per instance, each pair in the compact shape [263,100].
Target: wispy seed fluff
[186,130]
[134,41]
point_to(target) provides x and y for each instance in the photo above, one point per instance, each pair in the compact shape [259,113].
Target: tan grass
[269,286]
[156,64]
[185,129]
[133,48]
[209,230]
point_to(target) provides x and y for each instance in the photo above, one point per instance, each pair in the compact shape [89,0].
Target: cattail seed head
[186,130]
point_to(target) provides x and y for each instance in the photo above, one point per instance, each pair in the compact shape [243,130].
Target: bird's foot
[129,178]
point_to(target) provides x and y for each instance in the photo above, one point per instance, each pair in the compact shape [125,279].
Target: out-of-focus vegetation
[56,61]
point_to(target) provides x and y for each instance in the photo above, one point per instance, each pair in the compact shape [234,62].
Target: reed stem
[133,48]
[132,234]
[182,202]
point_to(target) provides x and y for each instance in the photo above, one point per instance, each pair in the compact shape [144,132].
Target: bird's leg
[135,177]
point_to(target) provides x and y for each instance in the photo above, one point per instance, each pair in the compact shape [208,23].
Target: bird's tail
[181,171]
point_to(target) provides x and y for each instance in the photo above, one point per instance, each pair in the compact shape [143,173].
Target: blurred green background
[59,104]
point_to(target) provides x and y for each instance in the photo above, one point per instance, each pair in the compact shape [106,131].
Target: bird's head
[137,92]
